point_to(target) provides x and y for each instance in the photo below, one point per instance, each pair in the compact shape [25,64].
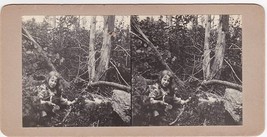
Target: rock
[208,98]
[121,103]
[233,103]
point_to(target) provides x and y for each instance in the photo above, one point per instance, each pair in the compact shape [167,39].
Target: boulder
[233,103]
[121,104]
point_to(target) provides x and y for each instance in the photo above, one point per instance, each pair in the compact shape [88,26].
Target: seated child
[161,94]
[50,96]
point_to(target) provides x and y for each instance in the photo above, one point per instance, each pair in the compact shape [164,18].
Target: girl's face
[165,81]
[52,82]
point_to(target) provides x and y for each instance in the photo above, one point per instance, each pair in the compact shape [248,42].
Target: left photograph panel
[76,71]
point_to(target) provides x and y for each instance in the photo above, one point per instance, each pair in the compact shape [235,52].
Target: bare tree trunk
[206,59]
[106,47]
[196,20]
[169,20]
[91,60]
[220,47]
[54,21]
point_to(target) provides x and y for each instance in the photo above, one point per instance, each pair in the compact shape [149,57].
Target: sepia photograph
[132,70]
[76,71]
[186,70]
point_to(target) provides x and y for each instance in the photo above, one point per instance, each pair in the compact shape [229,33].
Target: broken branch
[112,84]
[226,83]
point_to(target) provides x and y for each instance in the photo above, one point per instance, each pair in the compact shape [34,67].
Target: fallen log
[226,83]
[112,84]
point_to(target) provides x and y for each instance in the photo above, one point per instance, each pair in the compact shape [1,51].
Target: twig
[119,72]
[178,116]
[194,66]
[233,70]
[232,44]
[138,36]
[80,49]
[63,120]
[124,49]
[78,68]
[66,115]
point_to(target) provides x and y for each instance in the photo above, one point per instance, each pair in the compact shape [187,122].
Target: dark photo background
[92,55]
[205,54]
[108,62]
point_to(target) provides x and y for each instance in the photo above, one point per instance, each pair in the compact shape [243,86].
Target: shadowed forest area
[104,67]
[92,56]
[204,52]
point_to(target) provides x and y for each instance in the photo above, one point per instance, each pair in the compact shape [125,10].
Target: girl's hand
[163,103]
[50,103]
[189,98]
[72,102]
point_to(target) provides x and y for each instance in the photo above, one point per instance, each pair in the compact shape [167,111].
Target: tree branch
[40,50]
[112,84]
[226,83]
[134,26]
[233,70]
[119,73]
[123,50]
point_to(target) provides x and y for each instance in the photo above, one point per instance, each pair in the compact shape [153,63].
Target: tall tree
[106,47]
[91,60]
[220,47]
[206,59]
[169,20]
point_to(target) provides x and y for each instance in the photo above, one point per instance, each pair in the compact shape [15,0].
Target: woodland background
[92,54]
[205,54]
[114,58]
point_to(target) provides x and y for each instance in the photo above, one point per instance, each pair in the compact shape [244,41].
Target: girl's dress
[46,94]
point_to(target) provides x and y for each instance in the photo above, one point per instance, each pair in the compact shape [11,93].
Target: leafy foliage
[66,43]
[181,46]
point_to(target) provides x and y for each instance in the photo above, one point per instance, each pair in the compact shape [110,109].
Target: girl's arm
[65,101]
[153,101]
[41,95]
[185,101]
[47,102]
[180,101]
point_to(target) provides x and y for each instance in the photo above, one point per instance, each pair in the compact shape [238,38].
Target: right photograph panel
[186,70]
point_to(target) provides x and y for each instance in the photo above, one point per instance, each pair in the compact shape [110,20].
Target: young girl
[50,96]
[162,94]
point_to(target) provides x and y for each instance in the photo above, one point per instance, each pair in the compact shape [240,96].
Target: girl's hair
[57,87]
[171,86]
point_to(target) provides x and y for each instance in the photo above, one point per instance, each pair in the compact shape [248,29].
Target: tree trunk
[54,21]
[91,60]
[106,47]
[169,20]
[206,59]
[220,47]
